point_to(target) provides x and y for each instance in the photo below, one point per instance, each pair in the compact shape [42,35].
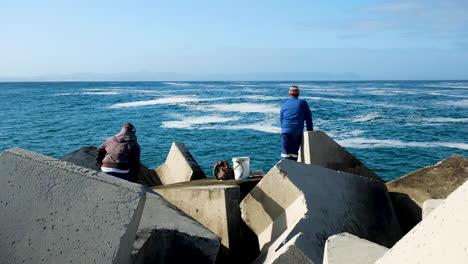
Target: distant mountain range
[173,76]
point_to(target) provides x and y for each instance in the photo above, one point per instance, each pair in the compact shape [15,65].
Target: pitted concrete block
[430,205]
[294,198]
[215,204]
[345,248]
[289,253]
[441,237]
[167,235]
[86,157]
[56,212]
[319,149]
[180,166]
[433,182]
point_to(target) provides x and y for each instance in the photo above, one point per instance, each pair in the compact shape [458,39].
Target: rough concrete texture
[430,205]
[441,237]
[180,166]
[408,212]
[319,149]
[215,204]
[287,254]
[346,248]
[433,182]
[295,197]
[167,235]
[56,212]
[86,157]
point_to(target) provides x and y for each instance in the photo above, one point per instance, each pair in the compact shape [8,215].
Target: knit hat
[293,90]
[129,127]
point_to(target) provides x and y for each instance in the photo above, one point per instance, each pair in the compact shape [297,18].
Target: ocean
[393,127]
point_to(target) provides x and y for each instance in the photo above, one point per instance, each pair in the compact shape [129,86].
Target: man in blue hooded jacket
[294,112]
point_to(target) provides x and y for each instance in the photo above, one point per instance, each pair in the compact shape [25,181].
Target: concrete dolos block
[433,182]
[289,253]
[441,237]
[56,212]
[86,157]
[180,166]
[319,149]
[167,235]
[430,205]
[345,248]
[408,212]
[215,204]
[295,197]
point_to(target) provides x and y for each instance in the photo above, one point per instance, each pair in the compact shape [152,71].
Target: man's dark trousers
[290,144]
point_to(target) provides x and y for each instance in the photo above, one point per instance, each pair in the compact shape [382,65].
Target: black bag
[222,170]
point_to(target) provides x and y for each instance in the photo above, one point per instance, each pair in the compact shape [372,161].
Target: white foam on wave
[90,93]
[445,120]
[239,107]
[460,103]
[101,93]
[94,89]
[263,127]
[366,118]
[449,95]
[263,97]
[449,85]
[165,100]
[386,143]
[378,93]
[245,85]
[65,94]
[189,122]
[361,102]
[178,83]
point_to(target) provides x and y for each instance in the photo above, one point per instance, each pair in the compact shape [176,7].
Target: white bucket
[241,167]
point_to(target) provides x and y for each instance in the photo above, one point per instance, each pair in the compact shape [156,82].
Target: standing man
[294,112]
[119,155]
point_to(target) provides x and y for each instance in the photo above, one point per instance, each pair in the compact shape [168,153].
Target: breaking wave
[387,143]
[166,100]
[239,107]
[366,118]
[189,122]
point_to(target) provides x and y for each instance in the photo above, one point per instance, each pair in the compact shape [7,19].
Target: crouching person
[119,155]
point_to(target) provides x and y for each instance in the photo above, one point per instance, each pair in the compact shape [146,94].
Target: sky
[389,40]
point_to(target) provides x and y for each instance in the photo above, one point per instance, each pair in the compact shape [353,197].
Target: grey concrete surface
[289,253]
[167,235]
[56,212]
[294,197]
[433,182]
[319,149]
[180,166]
[441,237]
[86,157]
[345,248]
[408,211]
[215,204]
[430,205]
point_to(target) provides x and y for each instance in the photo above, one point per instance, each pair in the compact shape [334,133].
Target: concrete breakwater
[329,208]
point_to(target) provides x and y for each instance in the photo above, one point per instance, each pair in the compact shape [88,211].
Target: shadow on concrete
[275,211]
[408,212]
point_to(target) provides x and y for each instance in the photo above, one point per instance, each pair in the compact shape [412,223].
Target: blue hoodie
[293,114]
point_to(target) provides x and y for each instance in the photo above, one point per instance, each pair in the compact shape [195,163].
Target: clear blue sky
[425,39]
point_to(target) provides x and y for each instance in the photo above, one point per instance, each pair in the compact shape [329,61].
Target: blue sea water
[394,127]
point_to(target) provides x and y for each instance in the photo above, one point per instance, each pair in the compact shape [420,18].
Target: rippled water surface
[394,127]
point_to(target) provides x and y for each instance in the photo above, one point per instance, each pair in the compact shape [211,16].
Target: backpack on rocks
[222,170]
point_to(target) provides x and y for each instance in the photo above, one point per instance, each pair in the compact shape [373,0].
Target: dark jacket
[293,114]
[121,151]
